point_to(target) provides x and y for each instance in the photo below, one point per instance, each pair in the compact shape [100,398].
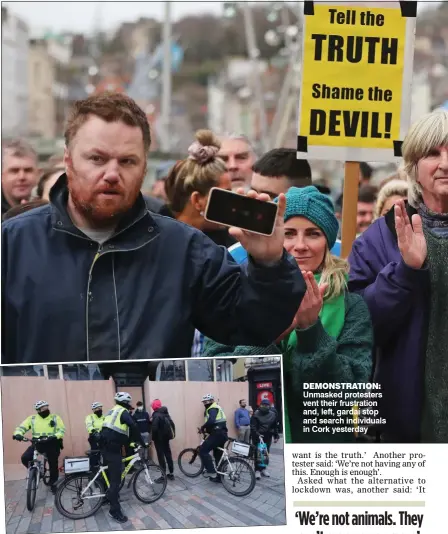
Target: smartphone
[231,209]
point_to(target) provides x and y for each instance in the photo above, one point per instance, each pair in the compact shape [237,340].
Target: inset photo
[145,444]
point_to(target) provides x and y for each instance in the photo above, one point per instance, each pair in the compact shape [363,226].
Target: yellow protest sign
[356,80]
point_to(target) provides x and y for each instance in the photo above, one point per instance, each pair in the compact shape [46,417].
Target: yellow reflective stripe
[220,416]
[115,413]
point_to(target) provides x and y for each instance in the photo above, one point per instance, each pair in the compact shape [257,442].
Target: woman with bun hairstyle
[189,182]
[331,338]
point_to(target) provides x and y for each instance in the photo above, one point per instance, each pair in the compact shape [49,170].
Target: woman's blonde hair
[428,133]
[395,187]
[199,172]
[334,273]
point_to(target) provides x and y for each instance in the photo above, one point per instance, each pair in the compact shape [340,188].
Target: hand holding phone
[264,249]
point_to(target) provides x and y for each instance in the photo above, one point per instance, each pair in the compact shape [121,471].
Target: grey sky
[80,16]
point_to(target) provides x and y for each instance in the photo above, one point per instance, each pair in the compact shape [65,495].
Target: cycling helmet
[40,404]
[208,397]
[122,396]
[96,405]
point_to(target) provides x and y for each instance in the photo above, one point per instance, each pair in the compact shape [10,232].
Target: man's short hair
[238,137]
[18,148]
[139,403]
[283,162]
[366,170]
[111,107]
[241,400]
[367,194]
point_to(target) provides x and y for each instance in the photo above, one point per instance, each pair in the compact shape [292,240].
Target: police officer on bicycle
[216,427]
[119,428]
[94,424]
[51,429]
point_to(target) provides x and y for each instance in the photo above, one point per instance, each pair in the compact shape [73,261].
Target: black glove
[17,437]
[52,423]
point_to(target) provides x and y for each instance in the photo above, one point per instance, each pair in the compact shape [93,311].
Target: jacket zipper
[97,255]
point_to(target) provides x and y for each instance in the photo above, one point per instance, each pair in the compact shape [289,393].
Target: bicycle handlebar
[37,440]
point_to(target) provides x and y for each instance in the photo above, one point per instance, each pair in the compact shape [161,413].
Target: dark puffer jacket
[138,296]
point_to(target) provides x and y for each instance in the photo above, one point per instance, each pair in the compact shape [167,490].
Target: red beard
[96,205]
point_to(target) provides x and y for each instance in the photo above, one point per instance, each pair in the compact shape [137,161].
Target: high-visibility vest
[112,420]
[220,416]
[42,426]
[94,423]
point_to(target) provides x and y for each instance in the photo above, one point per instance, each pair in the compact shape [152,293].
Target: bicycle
[231,467]
[38,470]
[97,484]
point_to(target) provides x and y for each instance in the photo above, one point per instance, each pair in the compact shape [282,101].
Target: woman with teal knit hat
[331,337]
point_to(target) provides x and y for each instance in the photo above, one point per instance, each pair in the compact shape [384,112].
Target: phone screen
[230,209]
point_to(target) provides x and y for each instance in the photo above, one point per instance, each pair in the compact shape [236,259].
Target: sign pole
[349,206]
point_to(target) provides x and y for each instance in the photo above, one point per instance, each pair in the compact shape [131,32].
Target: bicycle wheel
[31,488]
[237,471]
[76,484]
[190,463]
[149,483]
[46,473]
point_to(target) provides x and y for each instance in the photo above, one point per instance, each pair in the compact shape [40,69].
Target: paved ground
[187,503]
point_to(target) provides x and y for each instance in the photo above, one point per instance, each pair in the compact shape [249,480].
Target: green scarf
[332,317]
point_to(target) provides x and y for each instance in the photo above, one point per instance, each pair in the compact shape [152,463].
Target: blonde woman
[399,266]
[190,180]
[391,193]
[330,339]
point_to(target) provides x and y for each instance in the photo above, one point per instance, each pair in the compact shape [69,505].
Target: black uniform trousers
[217,439]
[52,449]
[112,457]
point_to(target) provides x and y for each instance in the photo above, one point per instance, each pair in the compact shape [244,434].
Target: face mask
[140,409]
[99,413]
[264,408]
[45,413]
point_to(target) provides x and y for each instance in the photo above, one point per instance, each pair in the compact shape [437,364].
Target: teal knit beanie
[318,208]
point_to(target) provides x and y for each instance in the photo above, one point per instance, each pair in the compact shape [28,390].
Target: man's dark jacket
[139,295]
[142,420]
[161,423]
[264,423]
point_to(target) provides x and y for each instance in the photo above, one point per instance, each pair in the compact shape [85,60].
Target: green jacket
[318,358]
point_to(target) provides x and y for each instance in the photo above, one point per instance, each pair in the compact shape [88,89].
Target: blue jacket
[398,300]
[242,417]
[239,254]
[139,295]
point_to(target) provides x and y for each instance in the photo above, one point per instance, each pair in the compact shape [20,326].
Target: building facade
[15,37]
[49,58]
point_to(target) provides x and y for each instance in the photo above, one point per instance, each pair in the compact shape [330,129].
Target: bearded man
[95,275]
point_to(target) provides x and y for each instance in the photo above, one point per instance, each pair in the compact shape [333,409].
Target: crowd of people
[102,272]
